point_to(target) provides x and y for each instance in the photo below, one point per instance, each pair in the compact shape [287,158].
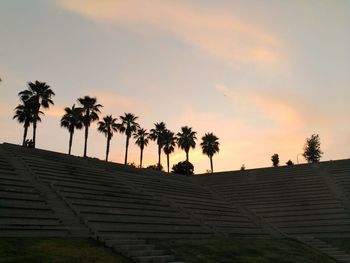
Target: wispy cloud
[213,32]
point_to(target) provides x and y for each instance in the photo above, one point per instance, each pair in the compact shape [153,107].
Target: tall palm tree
[108,126]
[72,119]
[90,110]
[210,146]
[169,141]
[157,135]
[141,136]
[24,114]
[40,94]
[186,140]
[128,126]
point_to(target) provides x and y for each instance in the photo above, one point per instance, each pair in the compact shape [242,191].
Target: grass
[244,251]
[56,250]
[343,243]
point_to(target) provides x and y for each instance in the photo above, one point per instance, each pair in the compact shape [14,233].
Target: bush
[184,167]
[156,167]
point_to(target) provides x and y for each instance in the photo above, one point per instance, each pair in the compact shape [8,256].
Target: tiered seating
[116,201]
[23,211]
[340,172]
[294,199]
[200,203]
[108,205]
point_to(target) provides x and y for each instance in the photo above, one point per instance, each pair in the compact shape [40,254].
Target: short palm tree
[90,110]
[128,126]
[186,139]
[108,127]
[210,146]
[40,94]
[72,119]
[169,141]
[24,114]
[141,136]
[157,135]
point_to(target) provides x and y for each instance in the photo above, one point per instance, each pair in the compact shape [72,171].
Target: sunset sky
[261,75]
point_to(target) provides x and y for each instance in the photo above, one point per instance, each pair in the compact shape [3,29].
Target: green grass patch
[244,251]
[341,243]
[56,250]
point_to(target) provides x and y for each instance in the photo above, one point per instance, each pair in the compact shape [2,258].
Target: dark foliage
[275,160]
[185,168]
[312,149]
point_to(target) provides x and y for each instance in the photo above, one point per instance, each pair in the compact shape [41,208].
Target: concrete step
[120,242]
[154,259]
[129,247]
[144,253]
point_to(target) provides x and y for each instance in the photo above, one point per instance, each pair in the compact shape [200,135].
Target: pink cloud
[215,33]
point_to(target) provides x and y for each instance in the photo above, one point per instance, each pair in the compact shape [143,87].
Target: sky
[261,75]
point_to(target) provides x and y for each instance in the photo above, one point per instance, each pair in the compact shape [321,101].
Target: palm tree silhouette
[108,127]
[24,114]
[90,112]
[210,146]
[141,136]
[157,135]
[128,126]
[72,119]
[169,141]
[186,139]
[39,93]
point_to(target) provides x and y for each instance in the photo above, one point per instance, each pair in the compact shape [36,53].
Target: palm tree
[72,119]
[210,146]
[141,137]
[39,93]
[90,112]
[108,126]
[128,126]
[186,139]
[157,135]
[24,114]
[169,141]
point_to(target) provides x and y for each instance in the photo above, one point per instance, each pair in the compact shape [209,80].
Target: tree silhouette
[108,127]
[312,149]
[186,140]
[157,135]
[185,168]
[72,119]
[169,142]
[90,110]
[289,163]
[141,136]
[128,126]
[39,94]
[210,146]
[275,160]
[24,114]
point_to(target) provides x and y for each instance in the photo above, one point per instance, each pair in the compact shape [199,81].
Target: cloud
[213,32]
[272,108]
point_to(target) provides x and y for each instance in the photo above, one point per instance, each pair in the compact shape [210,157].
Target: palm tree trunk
[34,132]
[141,157]
[126,150]
[211,163]
[107,150]
[187,172]
[159,154]
[70,141]
[86,138]
[25,135]
[167,160]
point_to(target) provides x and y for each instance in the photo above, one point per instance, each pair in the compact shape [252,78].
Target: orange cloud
[216,33]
